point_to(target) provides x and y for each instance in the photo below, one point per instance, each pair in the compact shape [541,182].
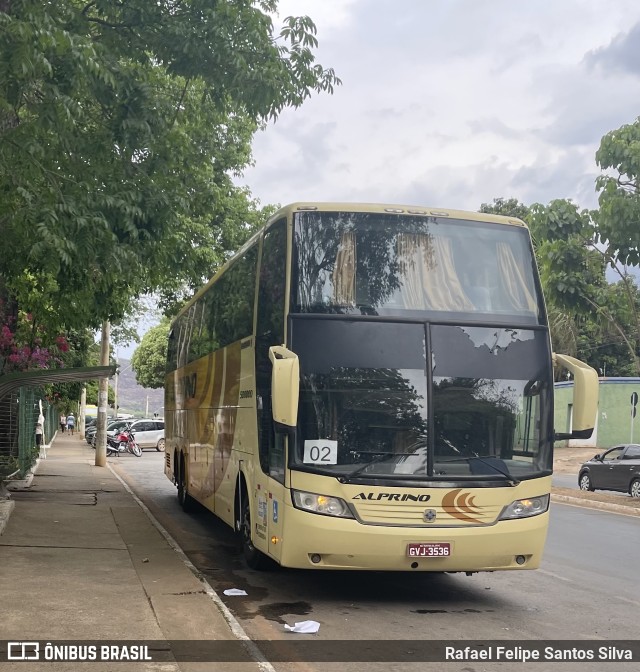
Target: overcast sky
[453,103]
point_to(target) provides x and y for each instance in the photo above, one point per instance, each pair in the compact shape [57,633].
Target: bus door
[276,495]
[270,330]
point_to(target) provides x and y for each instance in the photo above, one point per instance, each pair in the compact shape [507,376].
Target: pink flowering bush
[17,355]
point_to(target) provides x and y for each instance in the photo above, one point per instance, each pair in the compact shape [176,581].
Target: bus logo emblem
[429,515]
[460,505]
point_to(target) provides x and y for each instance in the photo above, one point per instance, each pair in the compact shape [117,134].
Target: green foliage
[508,207]
[619,213]
[92,393]
[150,357]
[121,124]
[560,220]
[8,465]
[82,351]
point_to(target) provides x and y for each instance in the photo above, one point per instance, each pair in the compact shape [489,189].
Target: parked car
[616,469]
[91,427]
[112,427]
[149,433]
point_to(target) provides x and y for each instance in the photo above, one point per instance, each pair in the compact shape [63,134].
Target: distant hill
[133,398]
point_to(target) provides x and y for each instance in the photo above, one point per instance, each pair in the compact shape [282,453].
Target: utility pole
[103,400]
[115,389]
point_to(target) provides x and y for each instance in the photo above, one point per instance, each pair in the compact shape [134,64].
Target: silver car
[149,433]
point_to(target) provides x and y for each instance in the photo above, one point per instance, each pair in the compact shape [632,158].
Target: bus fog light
[520,559]
[315,558]
[525,508]
[322,504]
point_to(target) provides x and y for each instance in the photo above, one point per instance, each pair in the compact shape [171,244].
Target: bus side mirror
[285,387]
[585,396]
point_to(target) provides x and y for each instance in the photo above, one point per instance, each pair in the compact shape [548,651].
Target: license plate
[434,549]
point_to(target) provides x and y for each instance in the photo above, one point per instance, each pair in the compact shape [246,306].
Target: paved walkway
[80,560]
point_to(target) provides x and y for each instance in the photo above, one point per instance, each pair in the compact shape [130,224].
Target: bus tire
[184,499]
[254,558]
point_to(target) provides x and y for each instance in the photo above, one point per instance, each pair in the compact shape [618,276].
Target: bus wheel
[185,501]
[254,558]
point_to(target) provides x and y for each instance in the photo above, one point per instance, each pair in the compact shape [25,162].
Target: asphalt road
[587,587]
[565,481]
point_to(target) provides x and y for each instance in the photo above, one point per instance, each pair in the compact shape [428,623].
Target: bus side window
[270,331]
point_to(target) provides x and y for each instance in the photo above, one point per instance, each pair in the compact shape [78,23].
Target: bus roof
[383,208]
[390,208]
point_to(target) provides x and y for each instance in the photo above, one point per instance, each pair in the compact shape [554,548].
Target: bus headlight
[327,506]
[525,508]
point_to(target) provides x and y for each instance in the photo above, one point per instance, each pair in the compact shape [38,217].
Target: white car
[149,433]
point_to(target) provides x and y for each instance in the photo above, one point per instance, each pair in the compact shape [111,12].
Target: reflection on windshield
[371,419]
[369,412]
[491,398]
[485,418]
[375,264]
[363,392]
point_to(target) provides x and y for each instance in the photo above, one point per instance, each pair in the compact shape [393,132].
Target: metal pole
[103,396]
[83,409]
[115,391]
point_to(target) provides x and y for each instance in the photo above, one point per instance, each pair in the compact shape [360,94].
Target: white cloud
[454,102]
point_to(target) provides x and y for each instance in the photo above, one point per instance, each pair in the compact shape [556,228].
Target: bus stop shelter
[20,405]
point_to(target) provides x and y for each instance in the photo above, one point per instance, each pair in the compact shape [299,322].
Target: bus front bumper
[313,541]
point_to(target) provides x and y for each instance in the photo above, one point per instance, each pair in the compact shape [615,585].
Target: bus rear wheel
[253,557]
[184,499]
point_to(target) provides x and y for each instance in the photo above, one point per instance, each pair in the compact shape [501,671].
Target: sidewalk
[80,560]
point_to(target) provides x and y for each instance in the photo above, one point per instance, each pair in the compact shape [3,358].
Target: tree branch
[630,346]
[608,257]
[179,105]
[86,8]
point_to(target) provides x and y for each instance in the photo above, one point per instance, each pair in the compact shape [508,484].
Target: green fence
[19,413]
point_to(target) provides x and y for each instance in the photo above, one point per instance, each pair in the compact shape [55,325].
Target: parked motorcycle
[123,441]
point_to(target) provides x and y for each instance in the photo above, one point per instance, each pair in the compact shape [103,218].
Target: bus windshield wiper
[378,458]
[464,458]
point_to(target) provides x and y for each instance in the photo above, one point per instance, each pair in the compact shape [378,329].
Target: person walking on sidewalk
[39,430]
[63,423]
[71,423]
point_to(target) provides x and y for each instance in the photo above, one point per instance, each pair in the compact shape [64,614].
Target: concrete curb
[594,504]
[20,484]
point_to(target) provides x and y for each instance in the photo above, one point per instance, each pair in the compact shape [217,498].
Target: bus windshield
[387,264]
[364,404]
[410,363]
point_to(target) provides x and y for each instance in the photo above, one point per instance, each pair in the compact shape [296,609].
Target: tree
[150,357]
[573,261]
[619,198]
[616,220]
[121,124]
[509,207]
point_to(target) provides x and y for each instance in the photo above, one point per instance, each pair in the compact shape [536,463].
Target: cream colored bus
[370,387]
